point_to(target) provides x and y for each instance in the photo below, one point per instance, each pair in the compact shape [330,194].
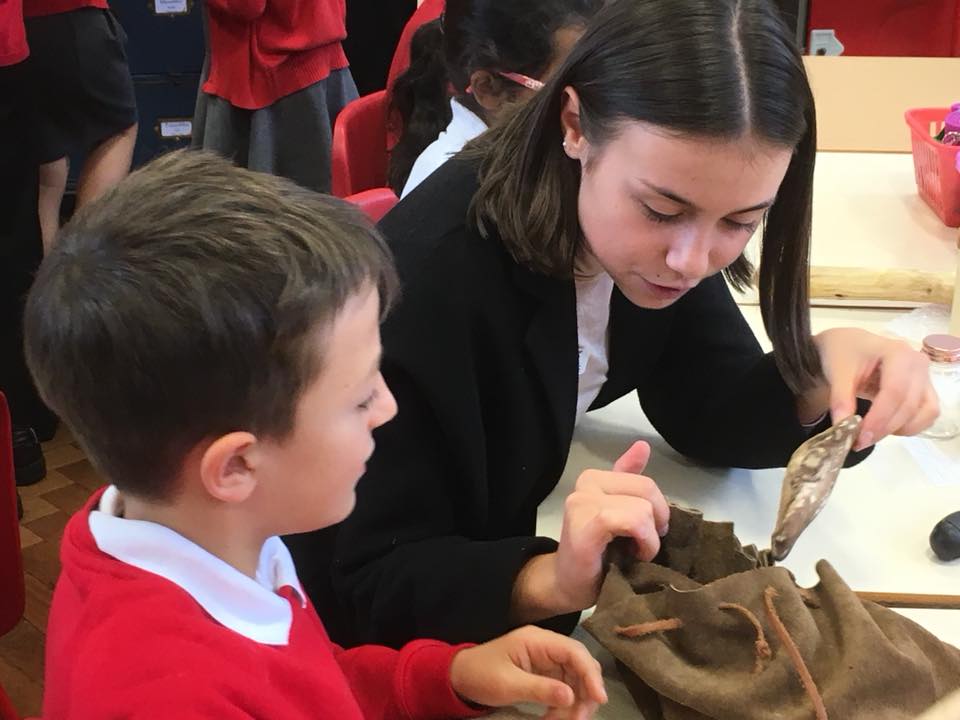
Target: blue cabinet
[165,105]
[163,36]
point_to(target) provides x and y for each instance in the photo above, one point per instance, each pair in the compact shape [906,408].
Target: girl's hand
[894,376]
[604,505]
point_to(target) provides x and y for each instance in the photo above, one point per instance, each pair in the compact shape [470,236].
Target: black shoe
[43,422]
[46,427]
[28,463]
[19,507]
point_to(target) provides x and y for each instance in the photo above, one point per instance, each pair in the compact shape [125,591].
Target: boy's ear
[227,467]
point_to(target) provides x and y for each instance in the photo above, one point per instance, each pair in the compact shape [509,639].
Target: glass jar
[944,354]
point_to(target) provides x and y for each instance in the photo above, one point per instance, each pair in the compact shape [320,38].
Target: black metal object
[945,538]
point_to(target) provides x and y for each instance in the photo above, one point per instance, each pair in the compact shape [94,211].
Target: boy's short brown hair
[185,304]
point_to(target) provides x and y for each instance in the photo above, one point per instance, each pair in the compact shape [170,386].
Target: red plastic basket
[934,164]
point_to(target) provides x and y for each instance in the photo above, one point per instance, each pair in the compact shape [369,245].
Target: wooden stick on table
[851,283]
[912,600]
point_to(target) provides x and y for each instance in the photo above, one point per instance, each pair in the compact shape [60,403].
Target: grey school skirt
[292,138]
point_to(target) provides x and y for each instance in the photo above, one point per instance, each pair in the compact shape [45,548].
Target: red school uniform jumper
[263,50]
[146,624]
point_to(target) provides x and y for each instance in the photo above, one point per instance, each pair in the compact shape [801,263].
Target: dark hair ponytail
[715,69]
[494,35]
[418,101]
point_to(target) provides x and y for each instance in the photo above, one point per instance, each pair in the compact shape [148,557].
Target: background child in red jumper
[211,336]
[275,78]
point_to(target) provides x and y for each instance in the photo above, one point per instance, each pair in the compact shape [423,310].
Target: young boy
[211,336]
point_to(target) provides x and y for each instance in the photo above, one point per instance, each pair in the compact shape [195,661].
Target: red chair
[359,156]
[375,203]
[7,711]
[11,562]
[361,141]
[6,708]
[890,27]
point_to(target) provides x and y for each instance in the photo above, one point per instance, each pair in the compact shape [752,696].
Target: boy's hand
[531,665]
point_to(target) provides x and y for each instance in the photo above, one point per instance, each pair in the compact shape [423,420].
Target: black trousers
[21,248]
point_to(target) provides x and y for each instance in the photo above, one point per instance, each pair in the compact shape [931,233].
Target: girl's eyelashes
[743,227]
[659,217]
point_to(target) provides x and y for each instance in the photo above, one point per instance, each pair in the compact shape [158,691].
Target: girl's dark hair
[418,102]
[495,35]
[717,69]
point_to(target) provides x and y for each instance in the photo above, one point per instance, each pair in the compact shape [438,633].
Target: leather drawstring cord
[760,645]
[648,628]
[794,652]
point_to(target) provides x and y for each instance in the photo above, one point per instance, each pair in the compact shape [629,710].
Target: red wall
[891,27]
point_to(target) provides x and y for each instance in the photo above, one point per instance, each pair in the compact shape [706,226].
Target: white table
[874,530]
[867,214]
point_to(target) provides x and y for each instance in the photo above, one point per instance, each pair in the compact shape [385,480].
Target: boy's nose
[386,407]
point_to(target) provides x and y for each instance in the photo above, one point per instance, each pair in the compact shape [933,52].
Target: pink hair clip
[525,80]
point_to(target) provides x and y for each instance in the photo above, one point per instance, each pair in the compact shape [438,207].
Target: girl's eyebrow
[670,195]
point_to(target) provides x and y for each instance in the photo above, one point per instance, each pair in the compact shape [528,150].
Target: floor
[46,508]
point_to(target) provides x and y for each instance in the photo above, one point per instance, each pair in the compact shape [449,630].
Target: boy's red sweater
[123,642]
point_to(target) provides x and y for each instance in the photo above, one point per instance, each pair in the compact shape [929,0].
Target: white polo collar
[249,607]
[464,123]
